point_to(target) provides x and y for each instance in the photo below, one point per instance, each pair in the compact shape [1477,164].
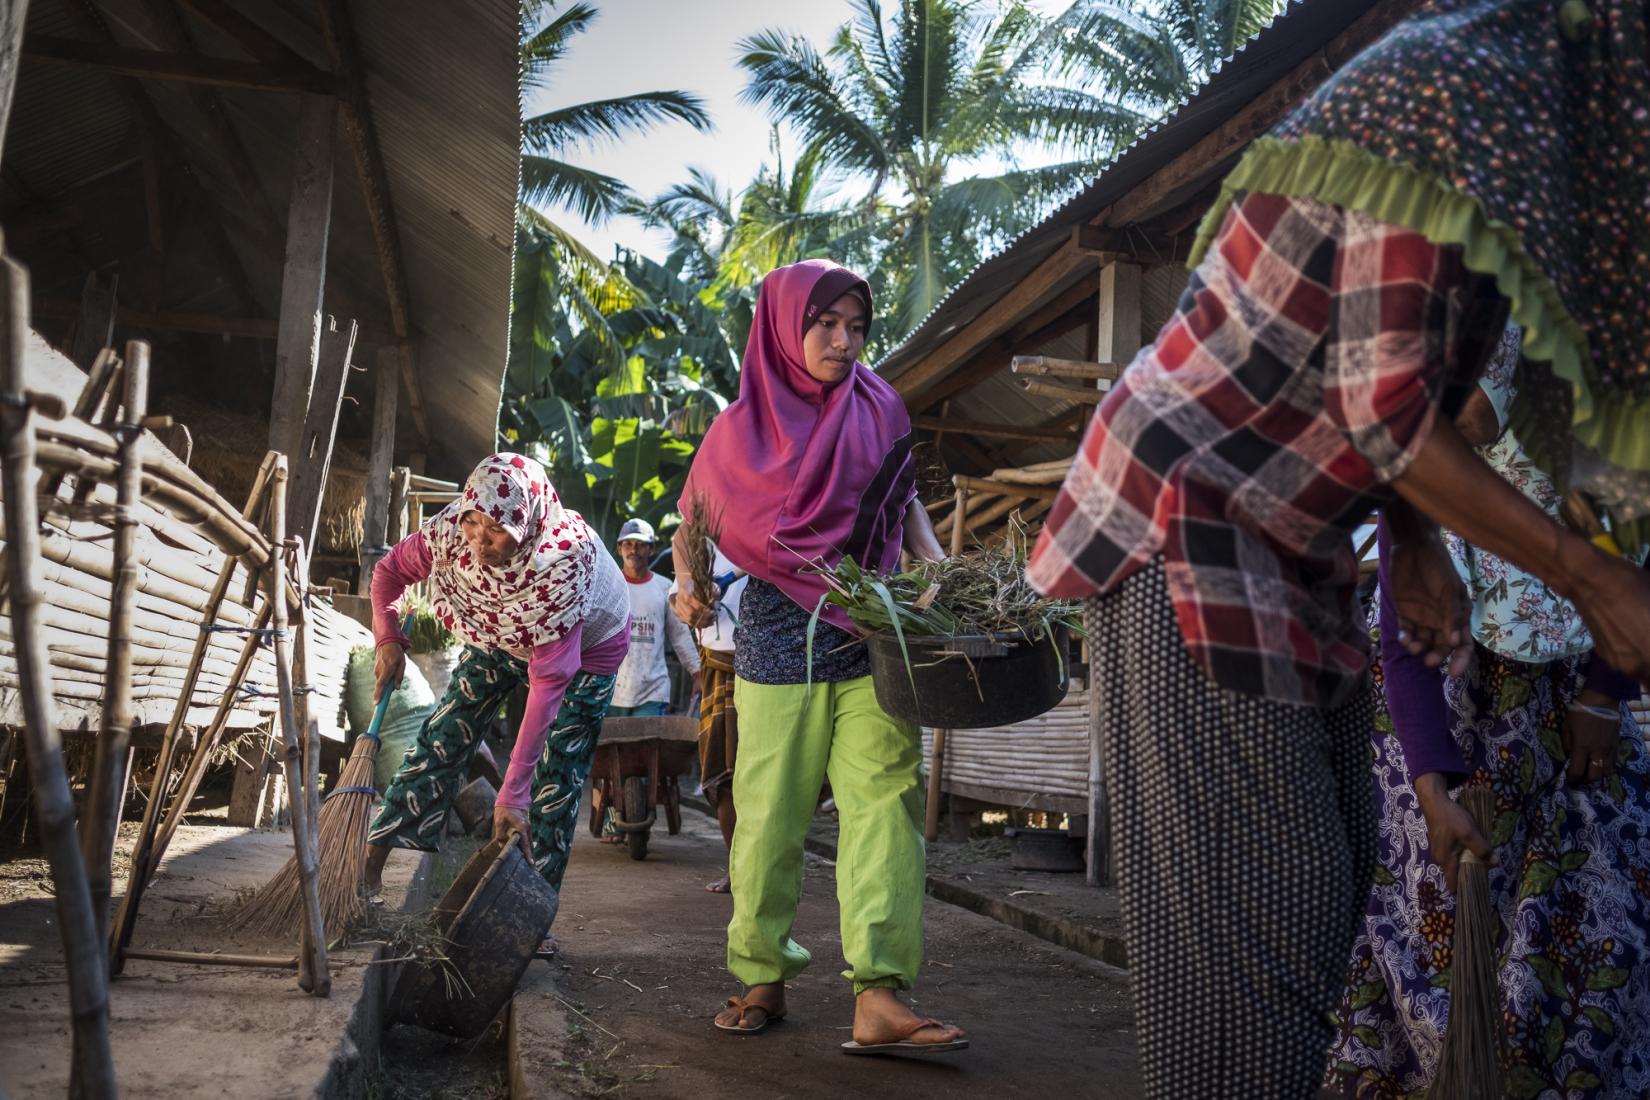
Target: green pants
[415,805]
[874,763]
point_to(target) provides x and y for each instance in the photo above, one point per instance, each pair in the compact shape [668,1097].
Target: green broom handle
[384,699]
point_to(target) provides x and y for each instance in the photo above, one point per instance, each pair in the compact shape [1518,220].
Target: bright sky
[650,45]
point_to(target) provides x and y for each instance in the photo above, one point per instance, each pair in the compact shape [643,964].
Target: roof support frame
[189,68]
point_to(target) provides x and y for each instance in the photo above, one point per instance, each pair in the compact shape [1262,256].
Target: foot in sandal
[723,885]
[751,1014]
[885,1025]
[548,947]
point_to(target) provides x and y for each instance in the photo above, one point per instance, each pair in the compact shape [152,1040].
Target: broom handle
[383,706]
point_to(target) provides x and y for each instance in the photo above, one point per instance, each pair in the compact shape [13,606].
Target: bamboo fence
[113,613]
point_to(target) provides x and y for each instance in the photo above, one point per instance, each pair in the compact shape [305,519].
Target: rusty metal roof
[1303,28]
[443,87]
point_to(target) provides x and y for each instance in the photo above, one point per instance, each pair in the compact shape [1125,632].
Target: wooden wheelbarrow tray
[637,765]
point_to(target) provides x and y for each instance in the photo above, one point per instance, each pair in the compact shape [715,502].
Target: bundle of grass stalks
[699,532]
[1469,1067]
[981,591]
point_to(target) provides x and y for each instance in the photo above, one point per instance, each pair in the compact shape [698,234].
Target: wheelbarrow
[637,765]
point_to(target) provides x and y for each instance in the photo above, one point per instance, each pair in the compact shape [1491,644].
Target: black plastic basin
[968,682]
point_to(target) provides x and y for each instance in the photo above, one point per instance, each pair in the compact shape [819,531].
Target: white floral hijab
[537,596]
[1514,613]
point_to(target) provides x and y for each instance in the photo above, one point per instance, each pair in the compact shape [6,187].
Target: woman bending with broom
[527,584]
[1538,718]
[1351,279]
[813,464]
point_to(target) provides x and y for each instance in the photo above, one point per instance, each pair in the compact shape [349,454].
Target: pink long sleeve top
[550,667]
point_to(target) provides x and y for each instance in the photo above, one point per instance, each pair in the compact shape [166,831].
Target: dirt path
[643,949]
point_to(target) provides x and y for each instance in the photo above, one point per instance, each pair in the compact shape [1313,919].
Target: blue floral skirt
[1572,889]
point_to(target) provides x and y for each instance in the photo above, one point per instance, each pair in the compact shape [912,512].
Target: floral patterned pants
[416,803]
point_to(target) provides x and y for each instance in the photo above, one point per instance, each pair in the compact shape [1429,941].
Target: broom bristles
[1469,1066]
[277,908]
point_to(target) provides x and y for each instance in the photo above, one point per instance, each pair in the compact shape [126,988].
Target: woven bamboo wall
[1042,763]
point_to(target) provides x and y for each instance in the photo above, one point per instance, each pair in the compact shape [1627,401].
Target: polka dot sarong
[1243,842]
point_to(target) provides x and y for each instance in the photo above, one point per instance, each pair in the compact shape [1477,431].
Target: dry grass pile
[229,448]
[698,534]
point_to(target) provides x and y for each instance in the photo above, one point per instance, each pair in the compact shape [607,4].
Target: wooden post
[313,458]
[387,388]
[1117,342]
[92,1072]
[12,17]
[312,944]
[1118,333]
[936,763]
[247,807]
[95,326]
[110,762]
[396,529]
[303,280]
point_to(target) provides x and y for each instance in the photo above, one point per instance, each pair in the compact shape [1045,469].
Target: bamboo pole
[936,761]
[113,754]
[986,485]
[145,858]
[92,1072]
[312,944]
[204,958]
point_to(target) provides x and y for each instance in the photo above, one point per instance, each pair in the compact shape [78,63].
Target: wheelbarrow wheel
[635,809]
[673,806]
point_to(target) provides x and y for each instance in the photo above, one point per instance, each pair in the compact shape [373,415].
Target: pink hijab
[537,596]
[800,471]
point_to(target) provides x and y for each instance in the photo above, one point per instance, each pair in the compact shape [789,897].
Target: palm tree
[925,107]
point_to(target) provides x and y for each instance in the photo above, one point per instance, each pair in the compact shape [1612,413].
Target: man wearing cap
[643,686]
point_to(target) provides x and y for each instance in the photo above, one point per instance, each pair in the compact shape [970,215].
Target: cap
[638,529]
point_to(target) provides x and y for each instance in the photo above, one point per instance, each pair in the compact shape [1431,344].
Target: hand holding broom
[1469,1066]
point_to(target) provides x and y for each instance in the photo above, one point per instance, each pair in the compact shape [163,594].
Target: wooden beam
[253,38]
[1064,391]
[992,431]
[89,21]
[188,68]
[1052,367]
[313,459]
[1132,242]
[1049,278]
[303,281]
[94,321]
[1119,333]
[415,393]
[362,135]
[1068,310]
[387,387]
[12,18]
[175,35]
[210,324]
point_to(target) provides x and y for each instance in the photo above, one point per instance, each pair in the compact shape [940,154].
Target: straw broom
[277,909]
[1469,1067]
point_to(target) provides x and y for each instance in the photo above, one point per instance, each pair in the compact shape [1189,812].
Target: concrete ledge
[538,1036]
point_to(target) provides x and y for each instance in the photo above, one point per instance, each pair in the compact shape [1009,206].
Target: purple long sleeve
[1414,692]
[550,670]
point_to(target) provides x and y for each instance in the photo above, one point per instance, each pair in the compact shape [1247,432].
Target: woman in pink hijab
[811,465]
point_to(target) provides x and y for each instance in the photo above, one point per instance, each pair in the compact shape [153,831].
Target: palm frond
[791,79]
[553,131]
[591,195]
[542,49]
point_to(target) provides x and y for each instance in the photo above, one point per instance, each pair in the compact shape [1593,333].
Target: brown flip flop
[904,1044]
[768,1017]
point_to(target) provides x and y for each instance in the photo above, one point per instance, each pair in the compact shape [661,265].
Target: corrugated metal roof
[1303,28]
[443,86]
